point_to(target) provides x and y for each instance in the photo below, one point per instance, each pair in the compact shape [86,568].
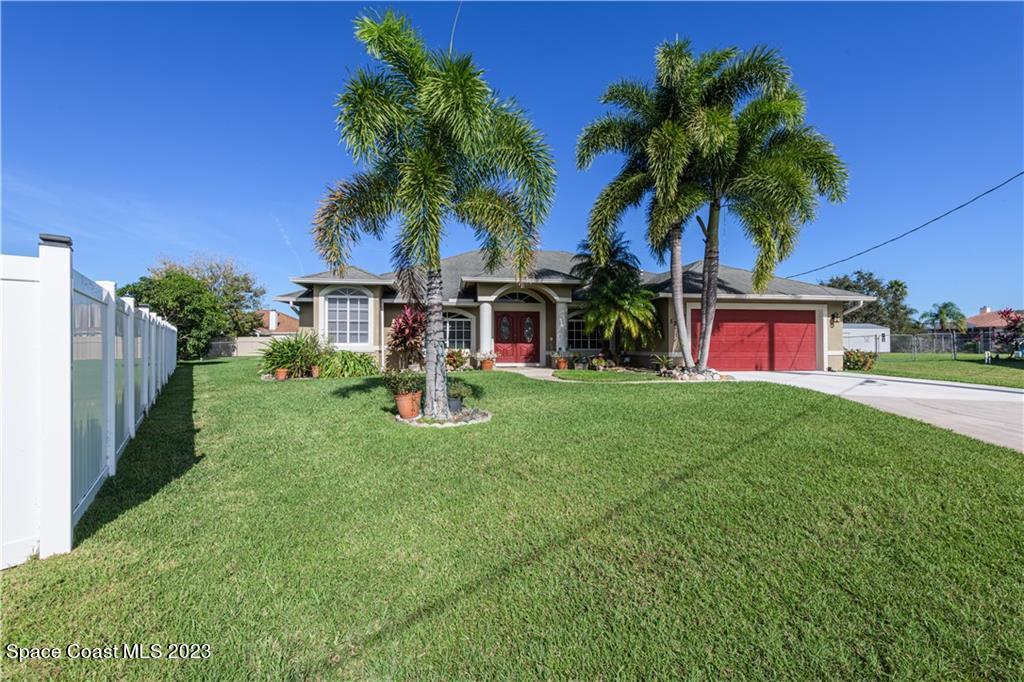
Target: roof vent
[985,309]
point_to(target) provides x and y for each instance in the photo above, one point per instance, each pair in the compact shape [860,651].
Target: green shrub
[459,390]
[295,353]
[404,381]
[859,359]
[340,364]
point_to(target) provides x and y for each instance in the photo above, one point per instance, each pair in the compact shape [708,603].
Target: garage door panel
[760,339]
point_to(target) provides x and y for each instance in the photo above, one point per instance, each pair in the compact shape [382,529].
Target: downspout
[380,334]
[856,306]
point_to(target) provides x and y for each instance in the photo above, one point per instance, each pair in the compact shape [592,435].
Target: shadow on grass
[356,387]
[565,539]
[163,449]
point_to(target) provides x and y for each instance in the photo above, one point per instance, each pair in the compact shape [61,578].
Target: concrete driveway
[989,413]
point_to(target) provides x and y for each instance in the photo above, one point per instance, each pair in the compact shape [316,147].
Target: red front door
[517,336]
[775,340]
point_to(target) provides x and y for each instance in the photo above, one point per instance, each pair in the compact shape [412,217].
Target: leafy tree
[185,302]
[617,305]
[437,144]
[239,293]
[945,317]
[1011,337]
[890,310]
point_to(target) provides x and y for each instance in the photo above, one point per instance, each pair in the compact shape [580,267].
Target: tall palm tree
[945,317]
[757,158]
[617,305]
[648,129]
[722,130]
[435,144]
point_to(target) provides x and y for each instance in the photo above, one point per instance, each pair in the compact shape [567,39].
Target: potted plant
[598,363]
[579,362]
[281,373]
[458,392]
[407,389]
[314,371]
[561,359]
[486,359]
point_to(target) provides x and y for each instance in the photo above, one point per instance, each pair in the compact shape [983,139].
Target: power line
[925,224]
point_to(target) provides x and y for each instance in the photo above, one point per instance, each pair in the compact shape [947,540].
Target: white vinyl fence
[79,368]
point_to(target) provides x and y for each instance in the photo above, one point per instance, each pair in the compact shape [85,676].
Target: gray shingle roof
[737,282]
[547,265]
[292,295]
[351,272]
[557,265]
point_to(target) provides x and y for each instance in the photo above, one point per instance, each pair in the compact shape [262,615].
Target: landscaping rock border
[467,417]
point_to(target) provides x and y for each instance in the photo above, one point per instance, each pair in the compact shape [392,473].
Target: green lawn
[969,368]
[606,377]
[743,530]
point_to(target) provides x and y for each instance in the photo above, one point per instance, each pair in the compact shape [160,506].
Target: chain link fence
[947,343]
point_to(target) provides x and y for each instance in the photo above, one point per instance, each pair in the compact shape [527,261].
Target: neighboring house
[984,326]
[274,323]
[792,325]
[873,338]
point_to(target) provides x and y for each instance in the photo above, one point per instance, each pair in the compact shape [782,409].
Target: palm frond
[627,190]
[608,134]
[457,99]
[392,39]
[352,208]
[516,149]
[672,62]
[758,70]
[631,96]
[497,217]
[372,114]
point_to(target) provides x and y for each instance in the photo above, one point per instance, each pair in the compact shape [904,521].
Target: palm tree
[618,306]
[945,317]
[648,129]
[757,158]
[722,130]
[435,144]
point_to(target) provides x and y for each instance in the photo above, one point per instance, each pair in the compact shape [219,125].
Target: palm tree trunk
[676,271]
[709,287]
[435,403]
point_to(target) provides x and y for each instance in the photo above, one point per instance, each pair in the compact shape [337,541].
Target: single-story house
[792,325]
[873,338]
[984,327]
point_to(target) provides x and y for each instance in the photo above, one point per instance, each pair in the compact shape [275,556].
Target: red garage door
[774,340]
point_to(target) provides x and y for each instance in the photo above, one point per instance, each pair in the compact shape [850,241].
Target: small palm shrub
[859,359]
[296,353]
[459,390]
[342,364]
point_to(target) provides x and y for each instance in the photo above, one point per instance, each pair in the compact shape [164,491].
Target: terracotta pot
[408,405]
[314,371]
[281,373]
[487,365]
[562,363]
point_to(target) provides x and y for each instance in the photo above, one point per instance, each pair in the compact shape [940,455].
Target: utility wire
[904,234]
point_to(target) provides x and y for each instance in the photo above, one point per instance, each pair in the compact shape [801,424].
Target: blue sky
[148,130]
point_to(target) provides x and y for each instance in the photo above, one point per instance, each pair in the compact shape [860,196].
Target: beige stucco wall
[835,338]
[310,312]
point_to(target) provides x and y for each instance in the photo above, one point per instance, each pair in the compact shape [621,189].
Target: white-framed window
[347,316]
[517,297]
[579,339]
[458,330]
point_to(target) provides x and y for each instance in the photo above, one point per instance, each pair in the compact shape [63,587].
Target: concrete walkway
[989,413]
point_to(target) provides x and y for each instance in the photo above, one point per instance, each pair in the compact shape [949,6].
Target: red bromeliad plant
[1012,335]
[407,329]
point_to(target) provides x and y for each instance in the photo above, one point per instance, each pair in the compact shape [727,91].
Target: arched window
[458,330]
[579,339]
[348,316]
[517,297]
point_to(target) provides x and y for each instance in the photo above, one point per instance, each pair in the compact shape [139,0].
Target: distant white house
[873,338]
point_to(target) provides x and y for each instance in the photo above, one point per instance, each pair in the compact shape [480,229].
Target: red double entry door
[517,336]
